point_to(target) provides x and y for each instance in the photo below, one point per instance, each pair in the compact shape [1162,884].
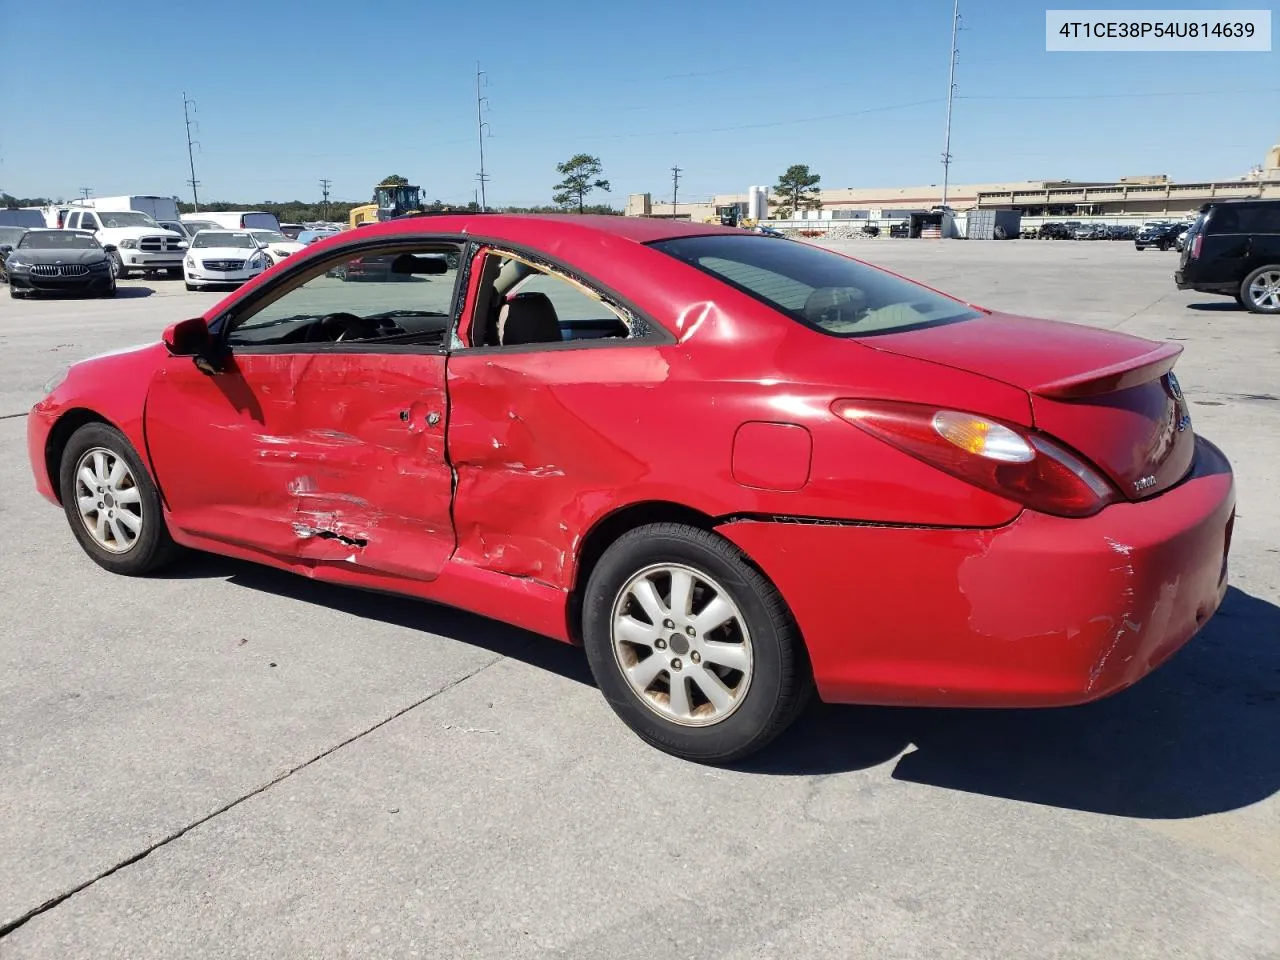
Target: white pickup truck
[132,240]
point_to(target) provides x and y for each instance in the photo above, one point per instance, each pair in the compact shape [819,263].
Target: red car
[734,467]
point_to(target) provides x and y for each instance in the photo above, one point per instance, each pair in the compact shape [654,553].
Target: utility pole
[951,93]
[187,104]
[675,189]
[481,127]
[324,189]
[85,192]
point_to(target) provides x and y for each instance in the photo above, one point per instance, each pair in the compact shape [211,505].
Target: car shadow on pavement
[1218,306]
[132,293]
[1197,736]
[414,614]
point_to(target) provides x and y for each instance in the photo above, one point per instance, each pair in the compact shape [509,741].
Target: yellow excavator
[730,215]
[390,200]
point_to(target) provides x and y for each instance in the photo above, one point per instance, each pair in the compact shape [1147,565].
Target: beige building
[1138,195]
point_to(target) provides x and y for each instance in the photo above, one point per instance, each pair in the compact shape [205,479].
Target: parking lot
[233,761]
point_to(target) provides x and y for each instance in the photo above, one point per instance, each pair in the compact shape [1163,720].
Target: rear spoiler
[1116,376]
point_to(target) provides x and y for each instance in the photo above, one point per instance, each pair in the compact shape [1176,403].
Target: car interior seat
[528,318]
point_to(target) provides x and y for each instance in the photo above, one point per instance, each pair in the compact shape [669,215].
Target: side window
[73,221]
[520,304]
[399,296]
[1263,218]
[1223,219]
[89,222]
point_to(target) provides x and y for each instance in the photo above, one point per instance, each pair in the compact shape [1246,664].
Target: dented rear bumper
[1044,611]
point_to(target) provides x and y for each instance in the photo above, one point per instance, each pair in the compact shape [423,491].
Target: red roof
[639,229]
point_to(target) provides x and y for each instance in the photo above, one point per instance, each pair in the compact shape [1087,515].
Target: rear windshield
[818,288]
[263,221]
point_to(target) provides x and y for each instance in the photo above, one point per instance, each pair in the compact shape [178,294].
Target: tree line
[583,174]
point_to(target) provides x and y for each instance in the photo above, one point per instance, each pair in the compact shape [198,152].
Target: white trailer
[157,208]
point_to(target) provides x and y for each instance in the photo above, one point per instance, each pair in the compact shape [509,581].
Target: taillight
[1195,246]
[1020,465]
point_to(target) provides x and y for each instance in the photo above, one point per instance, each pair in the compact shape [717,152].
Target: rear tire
[1260,290]
[100,467]
[744,678]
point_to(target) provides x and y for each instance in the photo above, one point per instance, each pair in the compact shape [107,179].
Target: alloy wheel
[1264,291]
[108,499]
[682,644]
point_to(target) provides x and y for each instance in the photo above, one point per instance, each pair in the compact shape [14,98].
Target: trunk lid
[1110,396]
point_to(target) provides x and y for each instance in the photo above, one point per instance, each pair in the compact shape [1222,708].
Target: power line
[188,103]
[1131,96]
[324,189]
[675,189]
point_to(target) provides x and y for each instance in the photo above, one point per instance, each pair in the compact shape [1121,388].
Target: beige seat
[528,318]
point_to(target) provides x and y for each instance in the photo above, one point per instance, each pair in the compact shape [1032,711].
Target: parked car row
[1076,230]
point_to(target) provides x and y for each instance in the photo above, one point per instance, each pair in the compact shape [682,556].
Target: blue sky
[289,91]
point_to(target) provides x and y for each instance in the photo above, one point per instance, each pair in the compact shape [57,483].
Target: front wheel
[111,503]
[692,646]
[1260,290]
[117,265]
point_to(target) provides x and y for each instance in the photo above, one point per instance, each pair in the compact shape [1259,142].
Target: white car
[277,245]
[223,256]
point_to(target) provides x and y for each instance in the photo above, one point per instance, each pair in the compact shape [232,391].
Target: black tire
[118,261]
[174,273]
[13,292]
[153,547]
[1248,302]
[109,292]
[780,684]
[1239,298]
[191,287]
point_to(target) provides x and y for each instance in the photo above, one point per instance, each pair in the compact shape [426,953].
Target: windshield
[58,240]
[818,288]
[270,236]
[11,235]
[219,238]
[126,218]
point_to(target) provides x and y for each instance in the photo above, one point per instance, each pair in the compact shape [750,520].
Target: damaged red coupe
[735,468]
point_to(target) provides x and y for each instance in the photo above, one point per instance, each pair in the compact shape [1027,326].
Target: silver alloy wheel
[1264,291]
[109,500]
[682,644]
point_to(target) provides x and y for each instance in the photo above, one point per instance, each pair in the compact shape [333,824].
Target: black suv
[1159,235]
[1233,249]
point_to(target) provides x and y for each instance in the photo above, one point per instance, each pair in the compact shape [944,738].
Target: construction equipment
[390,200]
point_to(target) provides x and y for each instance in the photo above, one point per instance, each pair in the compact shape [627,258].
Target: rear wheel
[1260,290]
[692,646]
[111,503]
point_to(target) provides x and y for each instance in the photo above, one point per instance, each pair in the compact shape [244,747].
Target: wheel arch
[609,528]
[63,428]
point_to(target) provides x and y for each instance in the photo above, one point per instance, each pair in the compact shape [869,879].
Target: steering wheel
[348,326]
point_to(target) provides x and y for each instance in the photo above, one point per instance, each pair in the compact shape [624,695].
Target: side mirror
[188,338]
[5,250]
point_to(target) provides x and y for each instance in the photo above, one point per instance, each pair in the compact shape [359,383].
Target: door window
[521,304]
[401,296]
